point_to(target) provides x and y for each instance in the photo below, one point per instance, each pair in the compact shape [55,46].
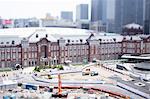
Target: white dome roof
[133,25]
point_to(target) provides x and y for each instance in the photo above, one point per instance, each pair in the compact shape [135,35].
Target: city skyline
[37,8]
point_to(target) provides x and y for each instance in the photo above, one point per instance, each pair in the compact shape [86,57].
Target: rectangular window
[3,55]
[25,55]
[33,55]
[19,49]
[14,55]
[8,55]
[20,55]
[14,49]
[29,55]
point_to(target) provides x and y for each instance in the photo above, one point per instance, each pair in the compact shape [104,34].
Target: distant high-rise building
[82,16]
[67,15]
[128,11]
[103,11]
[98,11]
[147,17]
[30,22]
[82,12]
[1,24]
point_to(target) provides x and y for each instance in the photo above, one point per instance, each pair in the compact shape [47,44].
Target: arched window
[35,63]
[32,63]
[7,42]
[29,63]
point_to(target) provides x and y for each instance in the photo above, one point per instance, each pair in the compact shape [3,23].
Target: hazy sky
[37,8]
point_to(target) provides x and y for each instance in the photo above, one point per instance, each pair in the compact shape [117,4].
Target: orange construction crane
[59,85]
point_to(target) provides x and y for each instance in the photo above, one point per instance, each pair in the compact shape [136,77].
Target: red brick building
[48,46]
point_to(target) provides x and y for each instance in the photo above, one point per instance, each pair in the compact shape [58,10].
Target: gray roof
[143,87]
[55,33]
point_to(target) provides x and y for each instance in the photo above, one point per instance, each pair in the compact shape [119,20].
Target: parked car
[93,73]
[86,72]
[89,72]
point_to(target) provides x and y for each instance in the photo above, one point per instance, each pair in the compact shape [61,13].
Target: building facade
[99,10]
[50,46]
[67,15]
[125,15]
[147,17]
[30,22]
[98,26]
[82,12]
[103,11]
[132,29]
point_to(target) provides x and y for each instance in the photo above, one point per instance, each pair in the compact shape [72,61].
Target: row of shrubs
[60,67]
[38,68]
[5,69]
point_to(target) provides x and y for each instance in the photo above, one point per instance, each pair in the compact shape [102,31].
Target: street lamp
[42,60]
[100,47]
[49,61]
[114,47]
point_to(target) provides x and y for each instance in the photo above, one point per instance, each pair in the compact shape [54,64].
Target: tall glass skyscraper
[82,12]
[128,11]
[147,17]
[99,10]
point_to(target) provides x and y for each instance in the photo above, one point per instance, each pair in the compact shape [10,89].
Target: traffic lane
[102,86]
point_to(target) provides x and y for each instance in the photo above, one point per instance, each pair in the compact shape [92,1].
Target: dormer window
[7,42]
[37,36]
[124,38]
[114,39]
[46,35]
[100,40]
[139,28]
[131,38]
[2,42]
[13,42]
[68,41]
[81,40]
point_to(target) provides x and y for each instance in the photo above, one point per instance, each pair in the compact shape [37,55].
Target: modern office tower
[67,15]
[103,11]
[82,12]
[147,17]
[82,16]
[98,11]
[128,11]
